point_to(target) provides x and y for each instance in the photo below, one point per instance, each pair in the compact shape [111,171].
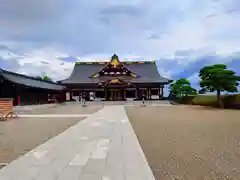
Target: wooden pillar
[159,93]
[105,90]
[124,94]
[162,91]
[36,94]
[147,94]
[18,93]
[15,94]
[150,93]
[137,93]
[111,95]
[117,95]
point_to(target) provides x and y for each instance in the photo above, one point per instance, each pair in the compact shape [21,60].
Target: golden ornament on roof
[115,81]
[115,62]
[95,75]
[133,75]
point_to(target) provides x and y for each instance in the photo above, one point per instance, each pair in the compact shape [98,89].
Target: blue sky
[38,37]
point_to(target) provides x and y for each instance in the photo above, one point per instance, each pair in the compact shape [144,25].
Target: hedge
[229,100]
[183,100]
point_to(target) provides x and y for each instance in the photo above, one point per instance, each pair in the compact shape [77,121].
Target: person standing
[143,97]
[84,98]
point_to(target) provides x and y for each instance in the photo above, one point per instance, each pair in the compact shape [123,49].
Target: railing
[6,108]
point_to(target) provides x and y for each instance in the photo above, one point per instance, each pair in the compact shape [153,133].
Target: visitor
[143,97]
[84,98]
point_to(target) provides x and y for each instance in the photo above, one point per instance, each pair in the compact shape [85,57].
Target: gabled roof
[115,65]
[147,71]
[29,81]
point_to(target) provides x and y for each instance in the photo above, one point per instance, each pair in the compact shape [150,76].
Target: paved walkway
[102,147]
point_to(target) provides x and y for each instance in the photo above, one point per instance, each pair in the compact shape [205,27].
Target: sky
[47,37]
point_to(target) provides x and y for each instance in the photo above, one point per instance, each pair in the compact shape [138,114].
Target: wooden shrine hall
[26,90]
[116,80]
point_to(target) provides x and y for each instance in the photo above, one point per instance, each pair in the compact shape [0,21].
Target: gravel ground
[189,143]
[18,136]
[59,109]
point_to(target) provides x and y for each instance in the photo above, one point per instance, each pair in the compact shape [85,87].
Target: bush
[232,101]
[188,99]
[184,100]
[229,101]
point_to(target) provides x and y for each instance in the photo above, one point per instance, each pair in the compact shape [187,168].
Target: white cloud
[107,57]
[84,28]
[45,61]
[133,29]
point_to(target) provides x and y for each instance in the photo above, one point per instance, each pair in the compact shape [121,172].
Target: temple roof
[147,71]
[29,81]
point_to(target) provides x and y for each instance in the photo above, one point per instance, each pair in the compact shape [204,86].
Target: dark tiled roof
[147,71]
[30,81]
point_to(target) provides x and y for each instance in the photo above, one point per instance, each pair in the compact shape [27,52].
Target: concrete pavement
[101,147]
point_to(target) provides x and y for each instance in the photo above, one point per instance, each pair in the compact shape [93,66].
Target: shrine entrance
[115,94]
[115,89]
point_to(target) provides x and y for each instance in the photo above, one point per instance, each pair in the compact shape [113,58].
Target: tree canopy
[181,88]
[46,78]
[218,78]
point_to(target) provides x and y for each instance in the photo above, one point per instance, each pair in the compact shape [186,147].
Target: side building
[116,80]
[25,90]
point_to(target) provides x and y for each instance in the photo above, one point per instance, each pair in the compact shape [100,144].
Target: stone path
[102,147]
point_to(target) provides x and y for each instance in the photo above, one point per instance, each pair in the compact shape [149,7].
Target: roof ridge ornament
[114,67]
[115,61]
[114,56]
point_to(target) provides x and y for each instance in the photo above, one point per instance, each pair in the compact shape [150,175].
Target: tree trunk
[219,100]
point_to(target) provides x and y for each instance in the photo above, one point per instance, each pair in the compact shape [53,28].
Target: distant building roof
[29,81]
[147,71]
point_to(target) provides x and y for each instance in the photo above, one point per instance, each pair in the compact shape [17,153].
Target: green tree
[46,78]
[181,88]
[218,78]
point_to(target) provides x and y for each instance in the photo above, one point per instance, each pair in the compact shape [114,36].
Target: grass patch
[205,99]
